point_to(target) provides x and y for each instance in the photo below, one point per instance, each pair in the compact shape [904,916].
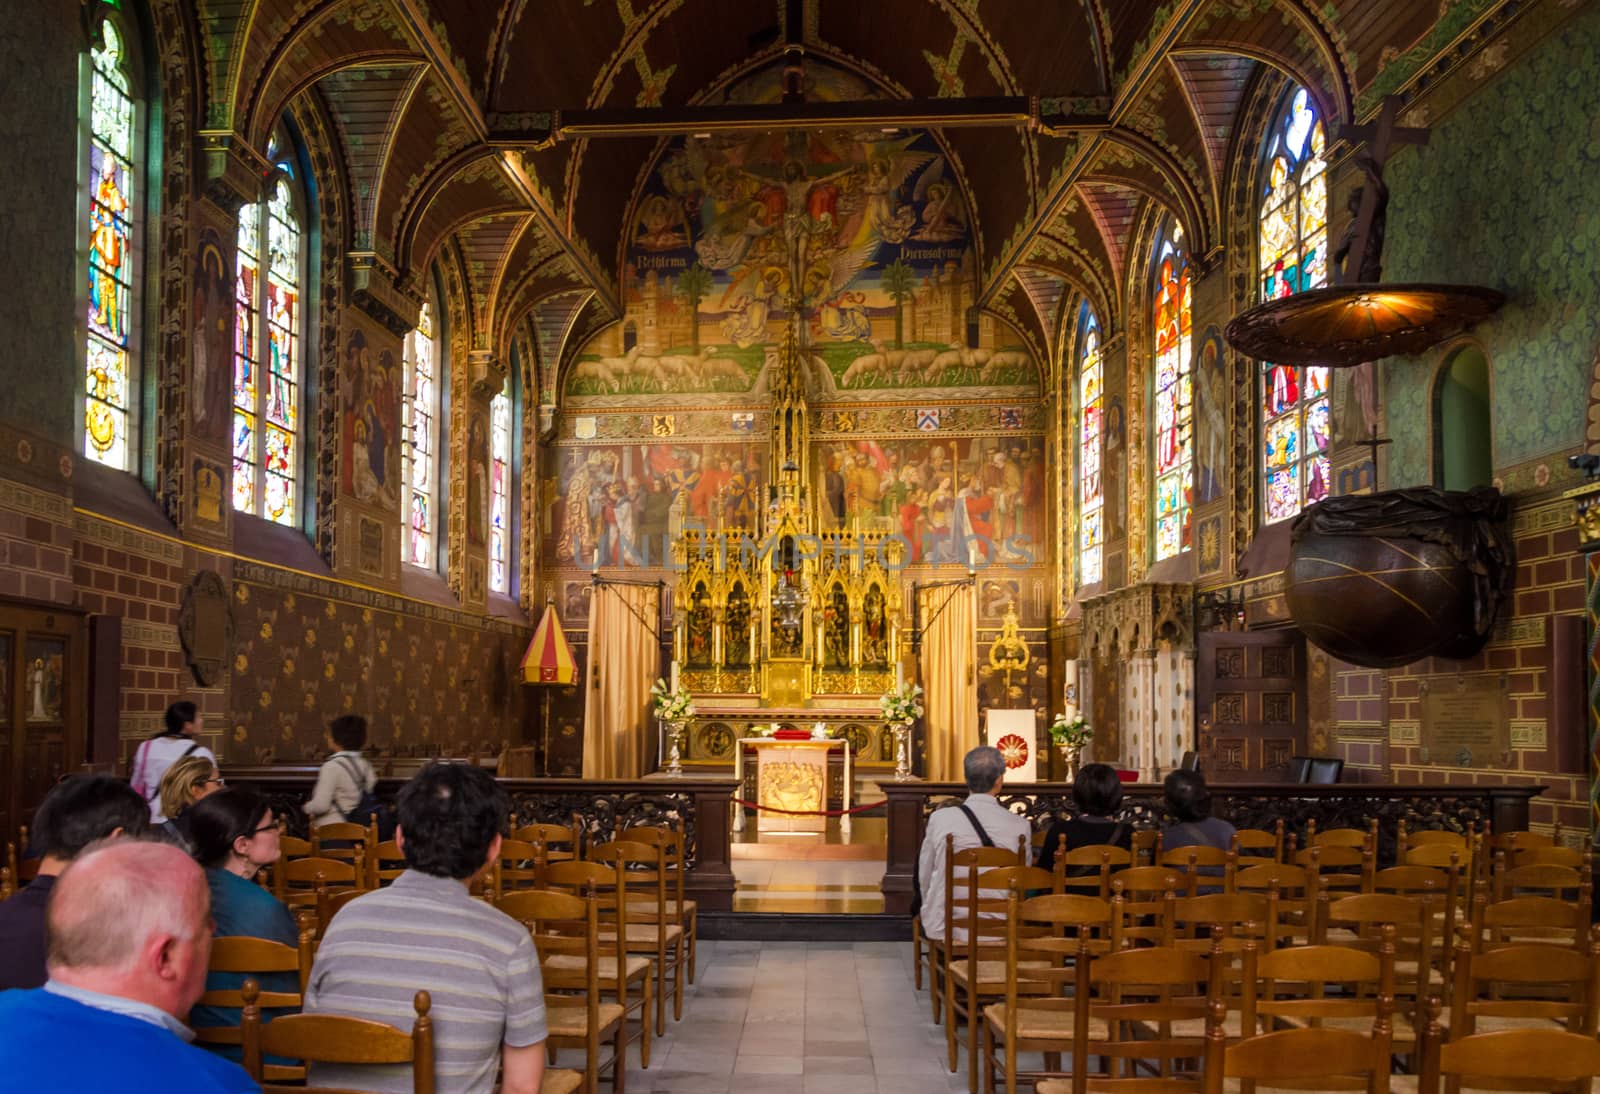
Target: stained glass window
[1293,246]
[110,360]
[266,351]
[500,489]
[1174,397]
[1091,433]
[421,411]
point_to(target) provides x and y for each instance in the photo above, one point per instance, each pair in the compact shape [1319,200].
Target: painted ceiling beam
[1144,69]
[1050,115]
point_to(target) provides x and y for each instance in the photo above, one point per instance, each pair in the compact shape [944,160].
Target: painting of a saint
[42,682]
[370,401]
[836,629]
[697,629]
[1211,453]
[874,630]
[213,310]
[736,635]
[477,480]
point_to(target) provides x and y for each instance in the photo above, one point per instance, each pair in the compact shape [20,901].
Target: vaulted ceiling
[440,108]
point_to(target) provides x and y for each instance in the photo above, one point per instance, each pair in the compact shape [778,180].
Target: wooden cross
[1376,442]
[1378,136]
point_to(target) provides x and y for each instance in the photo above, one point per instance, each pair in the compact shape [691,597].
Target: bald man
[129,927]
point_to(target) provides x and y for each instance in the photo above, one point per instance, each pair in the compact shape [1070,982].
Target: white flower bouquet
[1070,733]
[671,705]
[901,705]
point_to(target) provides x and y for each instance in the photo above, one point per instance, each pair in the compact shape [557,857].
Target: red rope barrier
[809,812]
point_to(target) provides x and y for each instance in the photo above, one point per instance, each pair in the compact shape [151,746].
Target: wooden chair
[6,887]
[1296,889]
[1195,862]
[941,951]
[23,869]
[1417,964]
[1310,987]
[1532,986]
[1338,867]
[981,973]
[1305,1059]
[1523,1059]
[619,972]
[1342,837]
[334,1039]
[385,863]
[1525,919]
[1140,995]
[329,903]
[296,882]
[1145,845]
[1539,879]
[1443,887]
[643,924]
[561,1081]
[345,838]
[687,912]
[1141,904]
[561,842]
[1087,870]
[516,868]
[253,957]
[1571,857]
[1046,938]
[1251,844]
[291,847]
[1408,839]
[567,926]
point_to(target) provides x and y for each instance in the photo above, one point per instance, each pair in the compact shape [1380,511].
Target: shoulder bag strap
[982,835]
[190,750]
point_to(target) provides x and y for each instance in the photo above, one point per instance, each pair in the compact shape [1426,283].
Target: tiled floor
[808,886]
[800,1018]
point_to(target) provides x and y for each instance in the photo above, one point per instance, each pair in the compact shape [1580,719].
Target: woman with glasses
[235,836]
[185,783]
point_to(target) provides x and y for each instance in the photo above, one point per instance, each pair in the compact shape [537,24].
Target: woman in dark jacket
[1098,794]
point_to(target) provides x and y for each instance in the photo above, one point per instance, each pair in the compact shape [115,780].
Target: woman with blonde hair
[185,782]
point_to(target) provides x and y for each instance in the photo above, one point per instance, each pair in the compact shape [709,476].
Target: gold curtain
[624,660]
[949,679]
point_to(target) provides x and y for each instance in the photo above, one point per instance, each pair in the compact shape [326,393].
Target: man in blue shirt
[129,928]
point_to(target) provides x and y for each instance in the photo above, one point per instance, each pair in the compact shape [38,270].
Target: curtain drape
[949,680]
[624,660]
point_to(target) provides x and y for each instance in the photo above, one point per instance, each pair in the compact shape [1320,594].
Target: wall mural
[610,505]
[370,403]
[213,317]
[869,228]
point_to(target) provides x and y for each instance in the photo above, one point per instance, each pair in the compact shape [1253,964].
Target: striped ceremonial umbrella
[549,663]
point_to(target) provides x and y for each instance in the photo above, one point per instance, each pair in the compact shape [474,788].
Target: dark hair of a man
[178,715]
[1097,790]
[81,809]
[226,815]
[1188,797]
[349,732]
[449,814]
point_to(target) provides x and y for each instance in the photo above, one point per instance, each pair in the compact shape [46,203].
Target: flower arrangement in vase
[1070,736]
[901,706]
[673,707]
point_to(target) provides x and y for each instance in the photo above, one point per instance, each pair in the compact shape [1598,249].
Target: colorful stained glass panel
[500,488]
[1174,397]
[420,418]
[1091,490]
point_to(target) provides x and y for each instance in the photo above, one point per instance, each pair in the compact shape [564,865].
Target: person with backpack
[160,752]
[346,782]
[980,820]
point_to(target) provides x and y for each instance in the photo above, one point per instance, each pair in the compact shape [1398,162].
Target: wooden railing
[1345,805]
[702,805]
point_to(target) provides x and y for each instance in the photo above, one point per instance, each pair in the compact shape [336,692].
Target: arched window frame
[1091,450]
[270,311]
[502,481]
[1172,395]
[1295,421]
[422,410]
[117,201]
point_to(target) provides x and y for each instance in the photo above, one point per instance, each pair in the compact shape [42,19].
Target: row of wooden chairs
[1068,986]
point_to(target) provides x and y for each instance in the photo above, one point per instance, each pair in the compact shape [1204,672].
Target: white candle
[674,675]
[899,674]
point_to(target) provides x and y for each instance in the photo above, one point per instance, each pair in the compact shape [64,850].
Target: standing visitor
[160,752]
[346,776]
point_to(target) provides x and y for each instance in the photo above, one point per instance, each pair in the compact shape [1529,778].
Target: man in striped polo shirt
[425,932]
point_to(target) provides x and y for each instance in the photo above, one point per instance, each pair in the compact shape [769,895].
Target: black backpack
[369,810]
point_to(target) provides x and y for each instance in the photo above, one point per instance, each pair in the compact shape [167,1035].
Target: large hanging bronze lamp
[1347,325]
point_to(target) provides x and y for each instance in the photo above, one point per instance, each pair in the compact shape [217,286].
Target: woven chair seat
[1043,1025]
[605,967]
[1232,1026]
[643,934]
[561,1081]
[573,1020]
[992,976]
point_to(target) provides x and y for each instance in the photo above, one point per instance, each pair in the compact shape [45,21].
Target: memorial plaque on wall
[1466,721]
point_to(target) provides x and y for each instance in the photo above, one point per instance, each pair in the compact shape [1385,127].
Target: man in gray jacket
[985,770]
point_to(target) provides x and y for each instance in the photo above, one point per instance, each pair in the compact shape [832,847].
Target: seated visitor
[130,935]
[186,782]
[235,836]
[346,775]
[77,812]
[1098,794]
[426,932]
[1189,801]
[978,821]
[160,752]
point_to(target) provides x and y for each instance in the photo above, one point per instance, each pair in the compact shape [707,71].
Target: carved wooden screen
[1251,703]
[42,707]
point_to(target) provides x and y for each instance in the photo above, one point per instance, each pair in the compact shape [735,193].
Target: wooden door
[1251,701]
[43,706]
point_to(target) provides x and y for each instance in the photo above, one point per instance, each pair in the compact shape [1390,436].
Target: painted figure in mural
[106,239]
[477,480]
[44,689]
[659,226]
[943,218]
[212,359]
[889,217]
[698,628]
[874,629]
[862,488]
[748,323]
[370,408]
[1211,451]
[844,317]
[833,489]
[836,629]
[736,644]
